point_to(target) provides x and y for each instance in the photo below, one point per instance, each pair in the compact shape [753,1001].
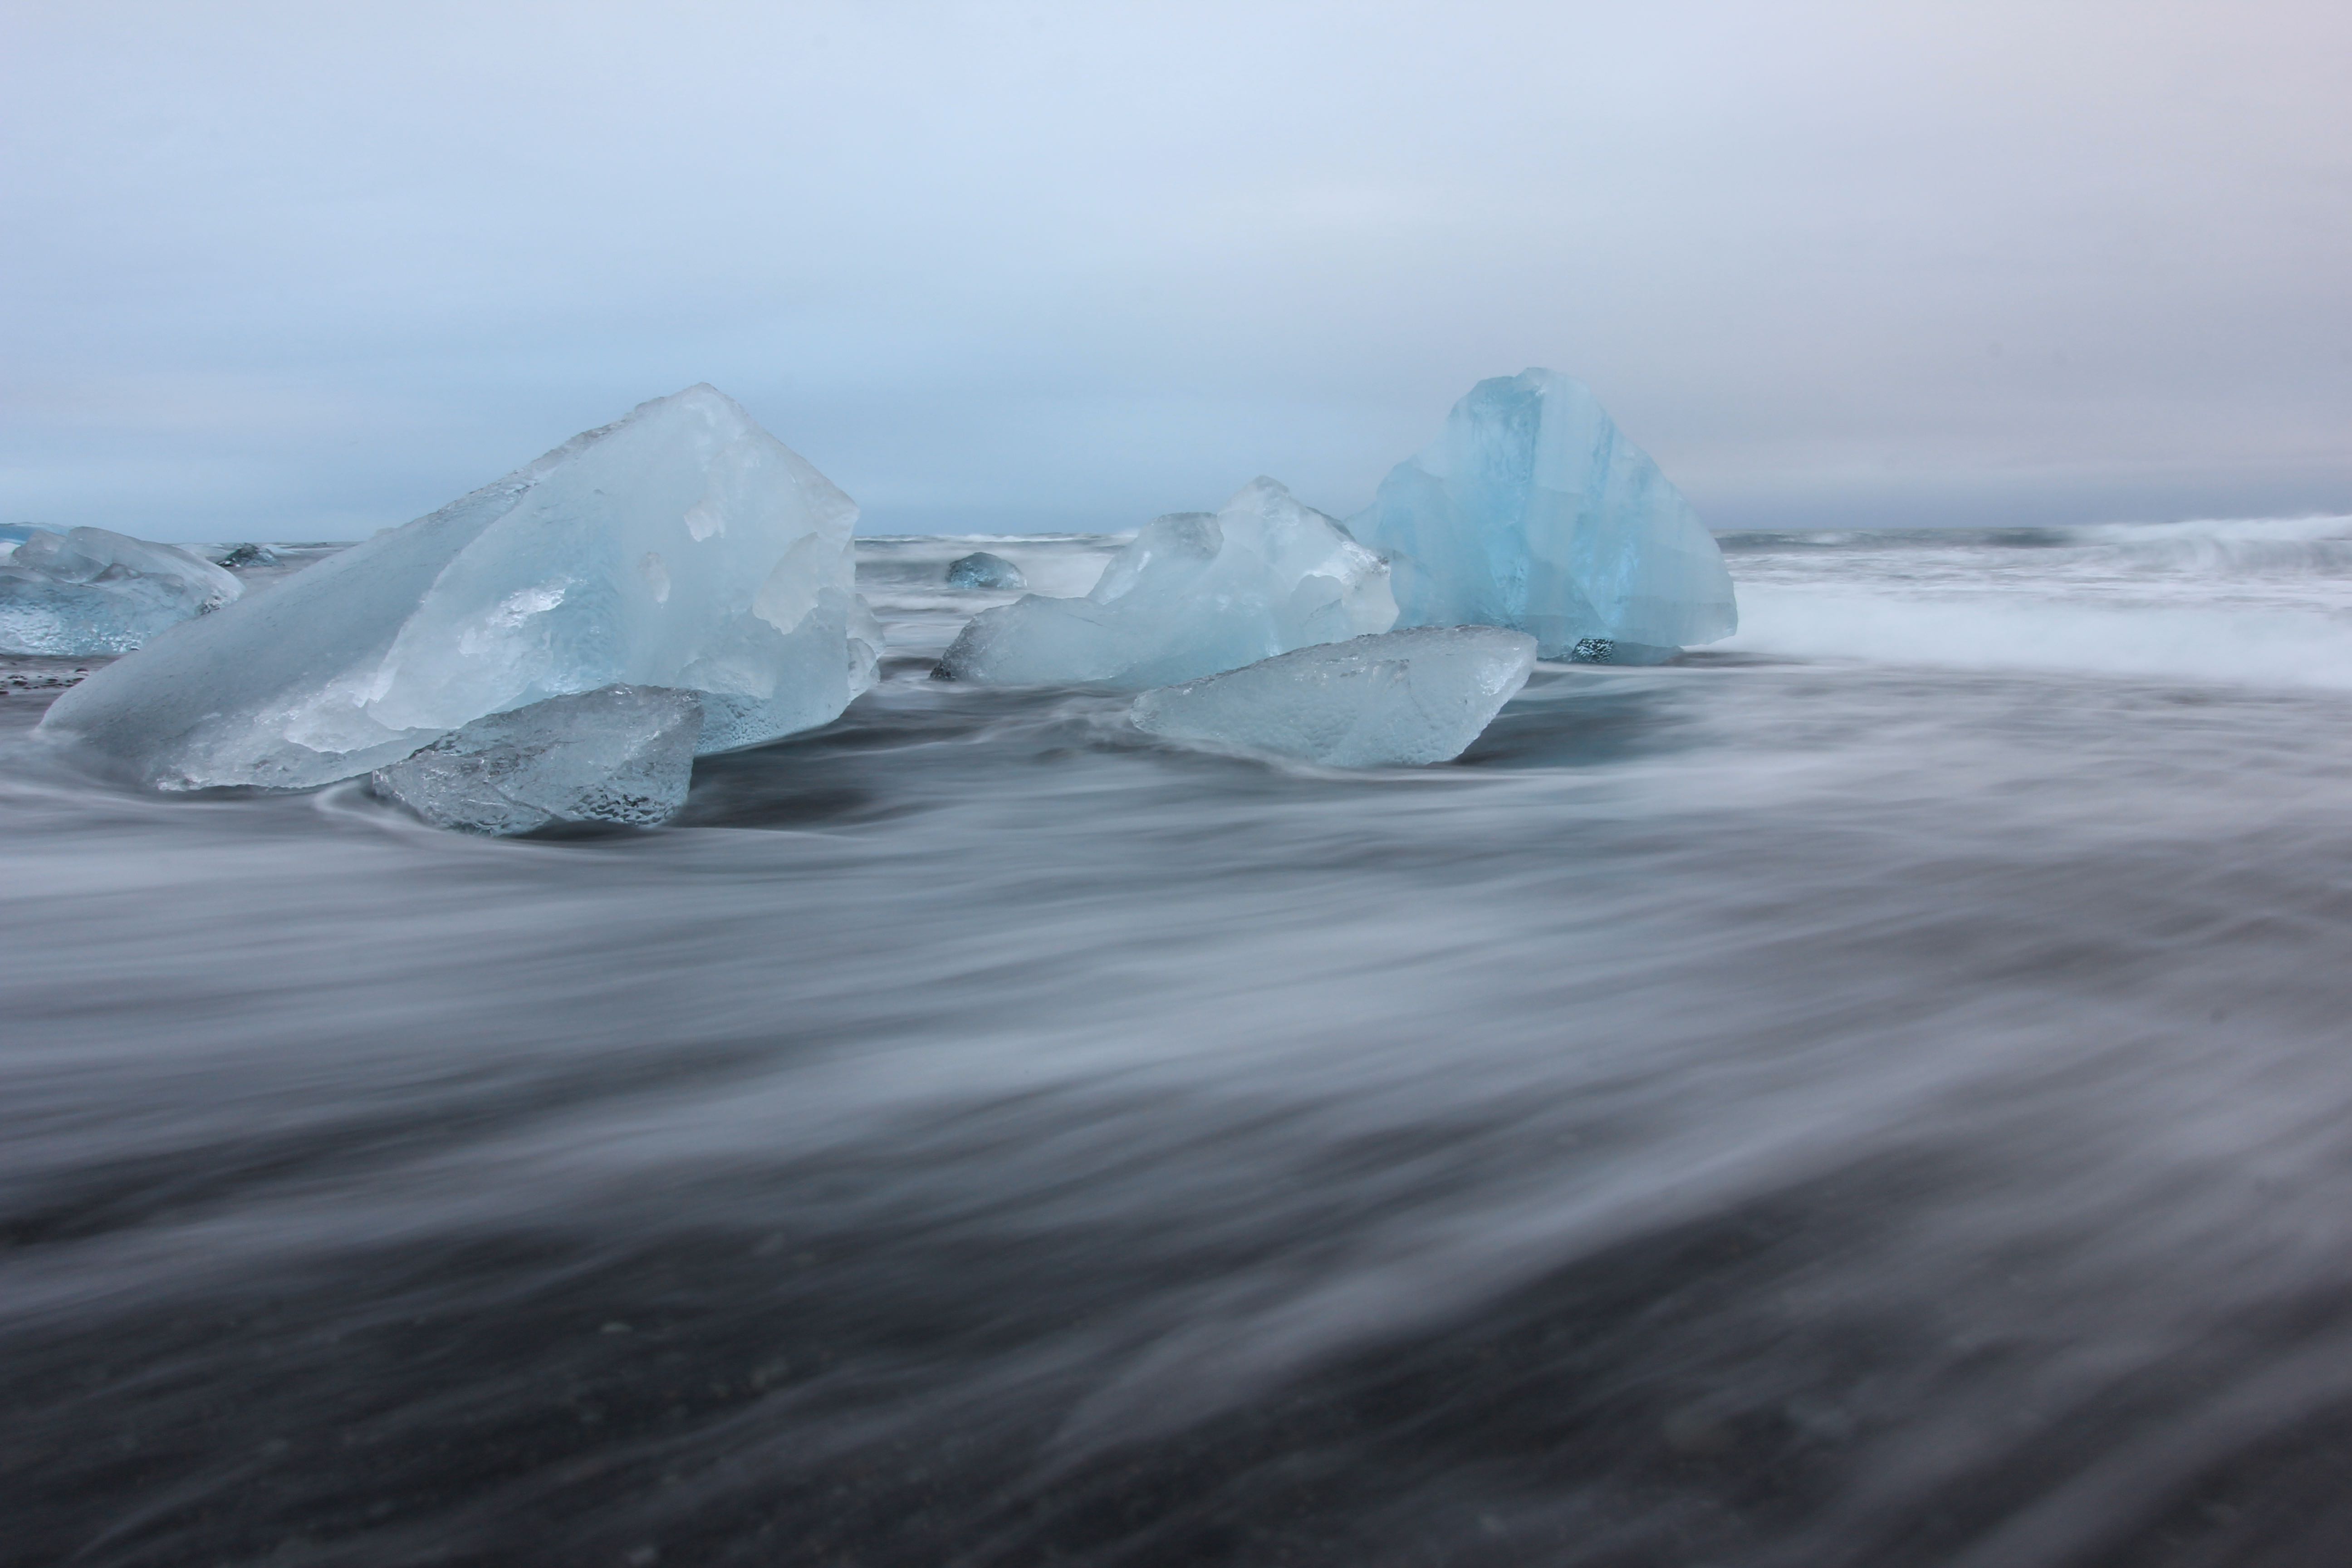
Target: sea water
[1874,1091]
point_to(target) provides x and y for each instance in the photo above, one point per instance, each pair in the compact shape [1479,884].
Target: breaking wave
[2261,602]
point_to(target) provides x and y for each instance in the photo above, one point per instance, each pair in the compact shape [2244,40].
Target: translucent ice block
[1532,510]
[1399,699]
[683,546]
[1195,593]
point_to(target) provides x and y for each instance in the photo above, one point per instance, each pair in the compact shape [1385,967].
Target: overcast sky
[286,271]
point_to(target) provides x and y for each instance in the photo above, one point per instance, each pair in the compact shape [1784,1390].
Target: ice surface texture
[1395,701]
[981,570]
[89,592]
[621,754]
[683,546]
[1532,510]
[1195,593]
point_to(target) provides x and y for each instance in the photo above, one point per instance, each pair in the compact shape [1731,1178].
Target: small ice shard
[90,592]
[1532,510]
[981,570]
[683,546]
[1399,699]
[1195,593]
[1607,650]
[620,754]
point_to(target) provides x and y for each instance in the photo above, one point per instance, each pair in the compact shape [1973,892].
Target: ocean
[1874,1091]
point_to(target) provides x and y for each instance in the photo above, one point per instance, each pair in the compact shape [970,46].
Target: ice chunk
[619,754]
[1532,510]
[683,546]
[89,591]
[1194,593]
[981,570]
[1394,701]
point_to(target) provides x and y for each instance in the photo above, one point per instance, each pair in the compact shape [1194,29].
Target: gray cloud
[300,270]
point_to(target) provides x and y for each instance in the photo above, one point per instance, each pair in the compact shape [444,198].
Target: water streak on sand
[1870,1093]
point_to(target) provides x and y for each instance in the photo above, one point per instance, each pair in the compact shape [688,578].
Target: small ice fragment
[621,754]
[683,546]
[981,570]
[1399,699]
[1194,593]
[1609,650]
[1532,510]
[89,592]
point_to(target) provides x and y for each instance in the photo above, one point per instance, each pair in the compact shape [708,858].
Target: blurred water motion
[1874,1093]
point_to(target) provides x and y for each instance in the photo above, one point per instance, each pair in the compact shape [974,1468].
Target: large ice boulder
[620,755]
[89,592]
[683,546]
[1397,701]
[1195,593]
[1532,510]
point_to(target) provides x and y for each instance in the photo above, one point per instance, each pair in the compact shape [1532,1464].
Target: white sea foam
[2261,602]
[2253,647]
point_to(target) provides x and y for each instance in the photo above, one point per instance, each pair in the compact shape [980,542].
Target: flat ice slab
[683,546]
[619,754]
[981,570]
[91,592]
[1195,593]
[1534,511]
[1395,701]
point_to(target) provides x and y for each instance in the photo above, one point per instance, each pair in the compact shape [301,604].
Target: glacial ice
[89,592]
[620,754]
[1532,510]
[981,570]
[1195,593]
[682,546]
[1399,699]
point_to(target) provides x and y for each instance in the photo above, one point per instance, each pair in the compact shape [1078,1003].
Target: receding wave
[1811,1107]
